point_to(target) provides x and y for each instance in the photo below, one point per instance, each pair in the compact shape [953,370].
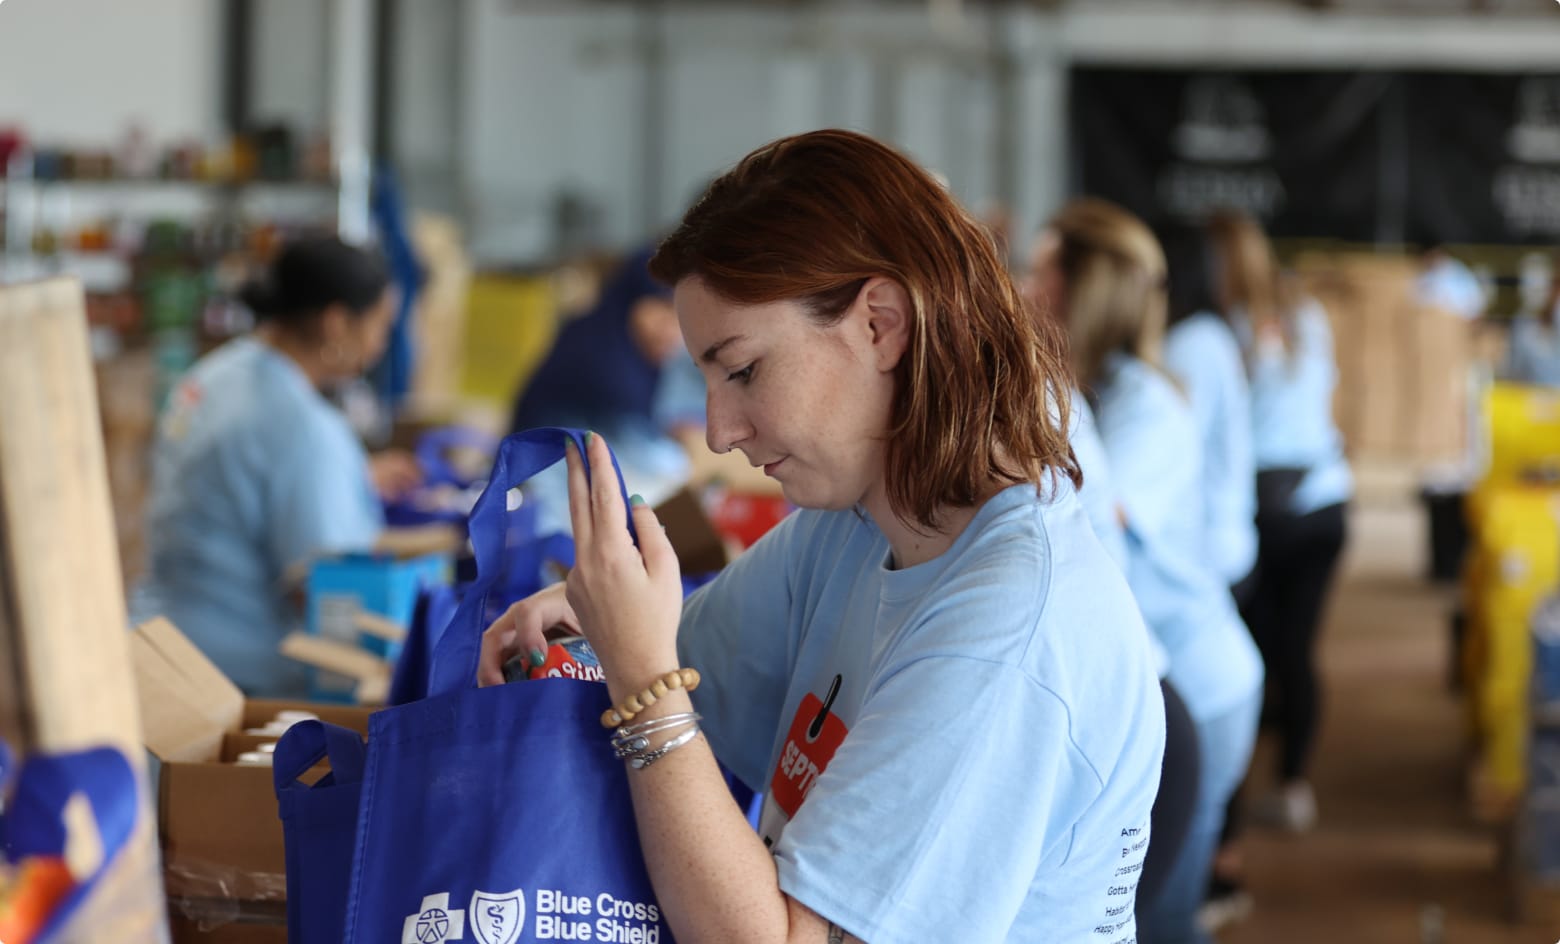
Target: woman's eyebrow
[713,351]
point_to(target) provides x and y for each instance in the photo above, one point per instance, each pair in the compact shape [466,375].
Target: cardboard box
[699,547]
[190,925]
[217,822]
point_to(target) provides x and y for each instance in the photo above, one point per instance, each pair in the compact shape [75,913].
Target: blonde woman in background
[1101,271]
[1303,488]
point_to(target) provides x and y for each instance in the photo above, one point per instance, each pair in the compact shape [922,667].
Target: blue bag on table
[440,498]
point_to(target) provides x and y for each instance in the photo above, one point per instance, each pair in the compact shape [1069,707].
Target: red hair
[983,391]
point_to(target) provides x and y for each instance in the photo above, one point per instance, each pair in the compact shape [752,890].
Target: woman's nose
[724,428]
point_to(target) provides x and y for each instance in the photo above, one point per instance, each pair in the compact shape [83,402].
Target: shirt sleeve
[1098,494]
[1150,459]
[958,781]
[320,495]
[740,626]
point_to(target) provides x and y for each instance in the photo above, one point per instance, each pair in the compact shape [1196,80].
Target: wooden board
[64,645]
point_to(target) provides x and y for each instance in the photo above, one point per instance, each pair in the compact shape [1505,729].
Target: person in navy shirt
[934,670]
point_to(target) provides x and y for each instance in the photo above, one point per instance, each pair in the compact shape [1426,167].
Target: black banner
[1300,151]
[1483,159]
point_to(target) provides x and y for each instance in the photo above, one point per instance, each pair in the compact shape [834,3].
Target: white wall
[290,66]
[428,65]
[554,102]
[505,106]
[78,72]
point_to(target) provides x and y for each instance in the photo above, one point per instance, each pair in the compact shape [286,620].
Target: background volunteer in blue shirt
[1178,782]
[1203,355]
[255,471]
[1104,274]
[1533,352]
[934,670]
[1303,487]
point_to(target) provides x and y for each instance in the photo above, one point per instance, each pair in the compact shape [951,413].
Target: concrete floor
[1397,856]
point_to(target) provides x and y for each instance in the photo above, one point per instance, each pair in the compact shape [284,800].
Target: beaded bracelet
[634,704]
[641,761]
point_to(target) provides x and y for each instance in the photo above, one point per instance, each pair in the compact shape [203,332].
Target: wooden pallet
[65,680]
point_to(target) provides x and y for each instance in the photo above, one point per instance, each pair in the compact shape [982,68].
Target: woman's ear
[888,316]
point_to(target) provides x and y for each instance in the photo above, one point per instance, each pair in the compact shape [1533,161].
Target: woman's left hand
[628,599]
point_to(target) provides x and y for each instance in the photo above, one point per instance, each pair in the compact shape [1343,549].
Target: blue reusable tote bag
[497,815]
[319,826]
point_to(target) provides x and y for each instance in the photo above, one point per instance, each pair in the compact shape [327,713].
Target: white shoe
[1292,807]
[1219,913]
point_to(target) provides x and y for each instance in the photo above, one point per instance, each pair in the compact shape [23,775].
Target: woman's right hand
[522,631]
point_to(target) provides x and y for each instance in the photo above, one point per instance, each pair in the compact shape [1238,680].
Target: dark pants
[1296,560]
[1177,797]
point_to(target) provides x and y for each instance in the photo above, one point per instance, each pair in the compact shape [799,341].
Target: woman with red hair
[934,670]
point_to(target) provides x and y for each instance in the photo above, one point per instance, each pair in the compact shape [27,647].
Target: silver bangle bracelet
[629,746]
[628,733]
[641,761]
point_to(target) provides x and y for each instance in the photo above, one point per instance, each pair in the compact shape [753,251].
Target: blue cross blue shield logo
[497,919]
[434,922]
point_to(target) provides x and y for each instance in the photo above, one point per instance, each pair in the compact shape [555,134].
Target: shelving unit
[62,206]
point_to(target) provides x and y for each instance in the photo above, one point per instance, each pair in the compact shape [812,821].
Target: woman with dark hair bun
[255,471]
[933,670]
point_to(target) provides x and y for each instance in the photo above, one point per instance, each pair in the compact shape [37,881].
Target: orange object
[41,884]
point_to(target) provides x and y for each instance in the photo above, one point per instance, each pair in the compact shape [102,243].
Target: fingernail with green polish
[590,437]
[538,658]
[636,500]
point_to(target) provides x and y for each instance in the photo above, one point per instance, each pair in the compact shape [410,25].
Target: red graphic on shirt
[815,735]
[189,395]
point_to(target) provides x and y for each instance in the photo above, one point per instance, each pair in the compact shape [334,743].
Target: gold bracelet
[632,705]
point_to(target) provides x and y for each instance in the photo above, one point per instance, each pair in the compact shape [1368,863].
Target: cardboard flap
[698,545]
[334,656]
[372,673]
[187,704]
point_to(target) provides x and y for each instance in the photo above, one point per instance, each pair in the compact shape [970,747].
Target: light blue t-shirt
[978,738]
[1151,441]
[1291,408]
[1202,353]
[1533,356]
[1098,494]
[254,471]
